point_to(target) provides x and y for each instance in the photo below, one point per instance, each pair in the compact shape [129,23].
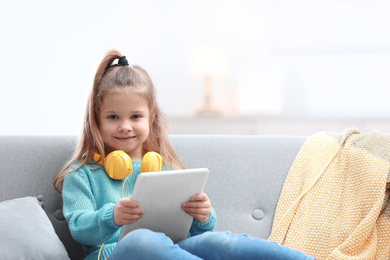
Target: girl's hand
[127,211]
[199,206]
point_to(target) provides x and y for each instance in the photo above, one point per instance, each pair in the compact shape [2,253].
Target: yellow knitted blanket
[334,201]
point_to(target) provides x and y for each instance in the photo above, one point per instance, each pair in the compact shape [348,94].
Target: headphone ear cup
[151,162]
[118,165]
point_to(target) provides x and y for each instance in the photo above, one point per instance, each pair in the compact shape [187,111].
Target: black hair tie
[122,61]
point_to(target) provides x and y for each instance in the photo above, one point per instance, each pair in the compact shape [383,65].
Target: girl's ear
[152,118]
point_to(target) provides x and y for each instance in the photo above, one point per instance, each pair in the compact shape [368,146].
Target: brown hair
[109,78]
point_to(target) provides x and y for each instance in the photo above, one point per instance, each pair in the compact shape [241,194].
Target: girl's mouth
[125,138]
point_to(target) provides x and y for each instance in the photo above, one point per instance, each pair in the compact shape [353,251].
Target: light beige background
[292,67]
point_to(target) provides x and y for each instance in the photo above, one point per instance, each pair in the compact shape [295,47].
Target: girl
[122,114]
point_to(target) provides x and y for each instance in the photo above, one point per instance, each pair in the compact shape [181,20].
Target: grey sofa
[246,177]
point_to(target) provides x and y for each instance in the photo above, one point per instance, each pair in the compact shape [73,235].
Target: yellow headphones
[118,164]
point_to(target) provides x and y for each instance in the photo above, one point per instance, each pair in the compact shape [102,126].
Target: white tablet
[160,195]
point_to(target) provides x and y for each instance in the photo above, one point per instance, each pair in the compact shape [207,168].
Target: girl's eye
[135,117]
[113,117]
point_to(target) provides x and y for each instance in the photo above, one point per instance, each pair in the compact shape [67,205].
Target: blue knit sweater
[90,196]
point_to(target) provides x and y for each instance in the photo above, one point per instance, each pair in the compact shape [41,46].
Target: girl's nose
[125,126]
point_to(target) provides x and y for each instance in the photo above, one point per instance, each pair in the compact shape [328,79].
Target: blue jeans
[146,244]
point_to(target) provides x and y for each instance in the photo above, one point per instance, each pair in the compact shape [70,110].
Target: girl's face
[124,123]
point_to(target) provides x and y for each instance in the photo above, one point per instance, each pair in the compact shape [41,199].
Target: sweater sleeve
[199,227]
[88,224]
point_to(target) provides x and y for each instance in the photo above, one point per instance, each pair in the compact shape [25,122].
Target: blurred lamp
[208,62]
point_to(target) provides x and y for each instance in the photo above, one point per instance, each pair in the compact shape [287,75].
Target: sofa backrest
[246,176]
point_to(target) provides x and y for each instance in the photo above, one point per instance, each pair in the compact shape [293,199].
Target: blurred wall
[298,58]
